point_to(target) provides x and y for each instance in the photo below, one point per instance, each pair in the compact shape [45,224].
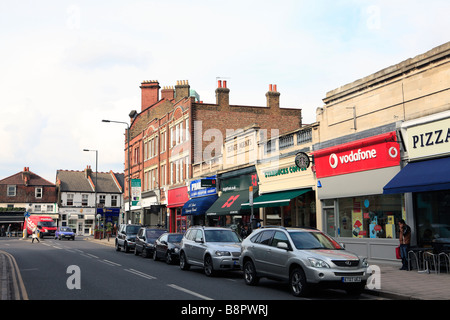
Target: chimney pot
[275,87]
[224,83]
[219,84]
[270,87]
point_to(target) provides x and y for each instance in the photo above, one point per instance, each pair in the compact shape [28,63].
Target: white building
[79,192]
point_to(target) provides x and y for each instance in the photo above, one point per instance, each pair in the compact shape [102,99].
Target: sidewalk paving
[394,283]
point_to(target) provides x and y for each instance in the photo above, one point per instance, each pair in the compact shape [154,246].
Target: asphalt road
[85,270]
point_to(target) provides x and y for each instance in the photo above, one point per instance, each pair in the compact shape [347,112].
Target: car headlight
[365,263]
[317,263]
[223,253]
[176,250]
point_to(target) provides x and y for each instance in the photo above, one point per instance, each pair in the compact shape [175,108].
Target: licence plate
[351,279]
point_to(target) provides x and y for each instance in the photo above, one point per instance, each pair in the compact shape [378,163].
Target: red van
[45,224]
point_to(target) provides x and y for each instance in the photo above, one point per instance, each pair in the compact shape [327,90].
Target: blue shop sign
[196,190]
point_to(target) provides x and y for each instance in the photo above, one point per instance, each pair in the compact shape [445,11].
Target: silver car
[211,248]
[301,256]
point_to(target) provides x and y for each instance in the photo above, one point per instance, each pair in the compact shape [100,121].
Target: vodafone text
[352,157]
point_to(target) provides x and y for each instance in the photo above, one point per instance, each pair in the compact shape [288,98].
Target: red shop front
[176,199]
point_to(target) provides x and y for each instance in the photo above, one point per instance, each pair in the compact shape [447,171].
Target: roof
[77,181]
[34,179]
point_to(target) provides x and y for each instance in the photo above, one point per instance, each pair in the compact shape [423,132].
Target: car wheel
[297,283]
[144,253]
[250,276]
[169,259]
[155,255]
[184,265]
[136,252]
[117,246]
[208,266]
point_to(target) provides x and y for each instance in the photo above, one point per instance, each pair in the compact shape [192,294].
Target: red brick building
[26,191]
[174,130]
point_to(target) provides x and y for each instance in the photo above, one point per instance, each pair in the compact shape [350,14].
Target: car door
[140,240]
[161,245]
[188,240]
[198,247]
[277,258]
[260,248]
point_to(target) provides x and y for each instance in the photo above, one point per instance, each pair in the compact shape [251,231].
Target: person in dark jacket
[405,242]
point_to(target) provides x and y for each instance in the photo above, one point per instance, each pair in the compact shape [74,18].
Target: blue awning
[198,206]
[422,176]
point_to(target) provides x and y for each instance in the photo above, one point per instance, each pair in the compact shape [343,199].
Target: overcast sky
[66,65]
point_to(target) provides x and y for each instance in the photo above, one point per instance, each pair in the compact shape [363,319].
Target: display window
[373,216]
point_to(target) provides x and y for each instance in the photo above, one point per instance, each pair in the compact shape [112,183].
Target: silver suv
[211,248]
[302,256]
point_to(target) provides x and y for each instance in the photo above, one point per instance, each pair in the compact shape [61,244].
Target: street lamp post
[129,164]
[95,187]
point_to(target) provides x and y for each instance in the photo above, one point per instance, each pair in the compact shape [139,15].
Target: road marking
[91,255]
[56,247]
[113,263]
[19,287]
[139,273]
[174,286]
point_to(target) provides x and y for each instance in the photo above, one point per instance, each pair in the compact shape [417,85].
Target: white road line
[174,286]
[113,263]
[139,273]
[56,247]
[91,255]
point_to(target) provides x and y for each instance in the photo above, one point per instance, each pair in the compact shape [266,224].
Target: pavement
[388,281]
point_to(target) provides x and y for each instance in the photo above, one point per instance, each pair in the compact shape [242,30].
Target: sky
[66,65]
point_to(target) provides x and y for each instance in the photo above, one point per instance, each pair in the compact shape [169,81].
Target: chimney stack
[222,94]
[149,93]
[182,89]
[88,172]
[273,97]
[168,93]
[26,175]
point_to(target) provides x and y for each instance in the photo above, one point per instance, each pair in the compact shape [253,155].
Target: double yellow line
[11,279]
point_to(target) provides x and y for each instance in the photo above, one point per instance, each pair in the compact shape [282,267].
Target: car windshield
[46,224]
[154,234]
[174,238]
[309,240]
[133,229]
[66,229]
[221,236]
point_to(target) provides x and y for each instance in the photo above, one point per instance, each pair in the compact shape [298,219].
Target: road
[85,270]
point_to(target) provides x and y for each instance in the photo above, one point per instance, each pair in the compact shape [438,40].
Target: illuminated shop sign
[366,154]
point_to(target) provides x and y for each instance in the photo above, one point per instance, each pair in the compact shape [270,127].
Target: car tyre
[184,265]
[117,246]
[136,252]
[250,276]
[297,283]
[169,259]
[208,266]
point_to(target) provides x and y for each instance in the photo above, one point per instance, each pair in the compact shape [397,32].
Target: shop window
[369,216]
[432,217]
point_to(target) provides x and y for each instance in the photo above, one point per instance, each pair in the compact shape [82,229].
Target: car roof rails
[279,227]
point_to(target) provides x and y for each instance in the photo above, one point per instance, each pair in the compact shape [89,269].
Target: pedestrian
[35,235]
[405,242]
[244,232]
[2,233]
[8,231]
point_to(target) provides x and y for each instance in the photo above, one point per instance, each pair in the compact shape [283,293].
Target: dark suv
[126,236]
[145,241]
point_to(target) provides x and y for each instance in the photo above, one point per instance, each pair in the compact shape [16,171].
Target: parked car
[145,241]
[211,248]
[167,247]
[303,257]
[64,233]
[126,236]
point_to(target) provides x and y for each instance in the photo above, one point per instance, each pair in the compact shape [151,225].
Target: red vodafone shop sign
[376,152]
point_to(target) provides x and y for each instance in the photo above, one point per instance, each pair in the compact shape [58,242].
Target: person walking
[8,231]
[35,235]
[405,242]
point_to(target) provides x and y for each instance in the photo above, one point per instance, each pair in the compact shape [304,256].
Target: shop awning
[422,176]
[198,206]
[275,199]
[228,203]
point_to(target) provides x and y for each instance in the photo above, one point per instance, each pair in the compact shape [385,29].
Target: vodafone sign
[367,154]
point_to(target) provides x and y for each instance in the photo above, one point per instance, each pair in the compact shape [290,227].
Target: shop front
[175,201]
[350,181]
[153,211]
[81,220]
[286,193]
[201,199]
[227,210]
[426,177]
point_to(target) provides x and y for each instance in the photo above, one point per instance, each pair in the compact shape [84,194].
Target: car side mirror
[282,245]
[342,245]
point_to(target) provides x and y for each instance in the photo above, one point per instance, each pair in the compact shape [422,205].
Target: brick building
[26,191]
[175,130]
